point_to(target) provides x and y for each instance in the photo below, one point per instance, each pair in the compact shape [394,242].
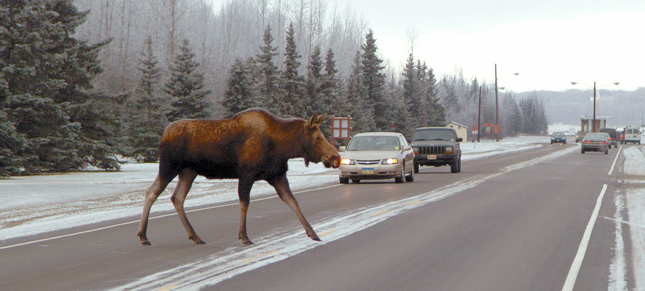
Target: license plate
[368,171]
[432,157]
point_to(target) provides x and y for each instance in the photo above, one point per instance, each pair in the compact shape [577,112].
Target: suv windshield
[421,135]
[374,143]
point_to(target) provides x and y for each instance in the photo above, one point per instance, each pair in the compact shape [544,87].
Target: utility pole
[496,104]
[479,115]
[593,125]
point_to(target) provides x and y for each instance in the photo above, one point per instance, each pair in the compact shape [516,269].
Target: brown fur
[252,145]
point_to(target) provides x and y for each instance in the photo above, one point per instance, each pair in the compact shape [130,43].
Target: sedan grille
[432,150]
[368,162]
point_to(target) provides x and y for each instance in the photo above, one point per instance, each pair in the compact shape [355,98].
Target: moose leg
[186,178]
[151,196]
[244,192]
[281,185]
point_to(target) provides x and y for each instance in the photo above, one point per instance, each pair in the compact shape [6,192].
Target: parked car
[579,136]
[436,146]
[377,155]
[558,137]
[612,134]
[632,134]
[595,142]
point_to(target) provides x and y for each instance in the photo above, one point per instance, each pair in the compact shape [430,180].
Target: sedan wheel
[411,177]
[401,178]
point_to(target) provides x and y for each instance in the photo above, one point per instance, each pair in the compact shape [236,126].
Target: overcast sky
[549,42]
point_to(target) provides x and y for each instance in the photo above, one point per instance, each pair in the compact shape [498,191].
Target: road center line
[582,249]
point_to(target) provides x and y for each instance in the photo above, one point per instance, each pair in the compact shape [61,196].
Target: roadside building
[462,130]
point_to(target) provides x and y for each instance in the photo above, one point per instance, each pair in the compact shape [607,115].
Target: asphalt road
[506,222]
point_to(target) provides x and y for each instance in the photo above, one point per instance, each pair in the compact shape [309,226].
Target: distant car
[612,134]
[595,142]
[579,136]
[558,137]
[632,134]
[436,147]
[377,155]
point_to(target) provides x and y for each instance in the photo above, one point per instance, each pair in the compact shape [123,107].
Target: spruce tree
[331,87]
[411,92]
[148,117]
[433,112]
[374,81]
[186,87]
[314,99]
[361,111]
[46,71]
[269,77]
[239,95]
[292,83]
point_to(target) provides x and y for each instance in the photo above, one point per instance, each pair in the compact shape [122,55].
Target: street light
[496,102]
[593,122]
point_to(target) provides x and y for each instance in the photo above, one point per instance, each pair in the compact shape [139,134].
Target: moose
[250,146]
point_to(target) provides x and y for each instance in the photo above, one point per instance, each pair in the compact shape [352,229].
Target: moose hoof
[247,243]
[146,243]
[316,238]
[197,240]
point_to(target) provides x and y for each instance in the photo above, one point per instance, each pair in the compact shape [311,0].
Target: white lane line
[582,249]
[151,218]
[615,159]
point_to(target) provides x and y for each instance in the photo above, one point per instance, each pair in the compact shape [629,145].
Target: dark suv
[612,134]
[436,146]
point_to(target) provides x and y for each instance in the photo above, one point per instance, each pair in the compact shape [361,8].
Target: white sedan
[377,155]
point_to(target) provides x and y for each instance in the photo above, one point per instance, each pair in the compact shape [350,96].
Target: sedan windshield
[558,134]
[374,143]
[420,135]
[595,136]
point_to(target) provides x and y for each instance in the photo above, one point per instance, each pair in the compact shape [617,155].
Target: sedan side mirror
[342,148]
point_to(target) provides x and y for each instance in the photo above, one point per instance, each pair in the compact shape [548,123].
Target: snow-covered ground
[634,201]
[36,204]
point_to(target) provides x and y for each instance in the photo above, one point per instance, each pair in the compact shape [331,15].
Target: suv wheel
[416,168]
[344,180]
[454,166]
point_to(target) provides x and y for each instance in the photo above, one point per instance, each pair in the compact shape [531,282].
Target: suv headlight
[390,161]
[448,150]
[415,150]
[347,162]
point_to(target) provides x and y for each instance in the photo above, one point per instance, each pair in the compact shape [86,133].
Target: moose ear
[321,118]
[312,121]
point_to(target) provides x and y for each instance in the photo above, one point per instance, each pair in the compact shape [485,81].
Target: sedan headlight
[390,161]
[347,162]
[448,150]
